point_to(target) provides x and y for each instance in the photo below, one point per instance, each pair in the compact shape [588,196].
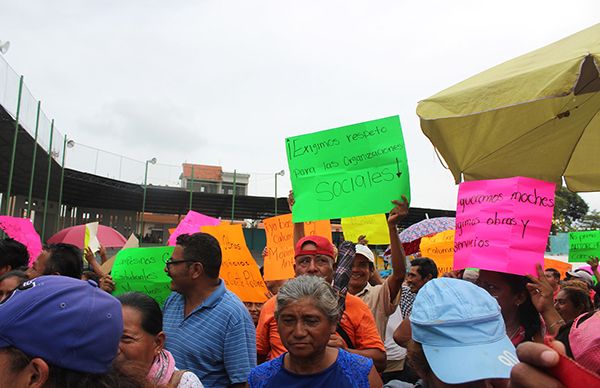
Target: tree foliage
[569,210]
[590,221]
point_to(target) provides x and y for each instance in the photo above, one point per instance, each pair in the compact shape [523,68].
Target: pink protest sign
[22,230]
[192,223]
[503,224]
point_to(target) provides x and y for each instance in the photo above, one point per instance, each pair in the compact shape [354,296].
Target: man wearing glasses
[208,329]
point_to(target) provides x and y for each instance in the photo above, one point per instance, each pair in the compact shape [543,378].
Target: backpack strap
[340,330]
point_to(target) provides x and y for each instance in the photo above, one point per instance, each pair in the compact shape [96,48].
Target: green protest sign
[348,171]
[142,270]
[583,245]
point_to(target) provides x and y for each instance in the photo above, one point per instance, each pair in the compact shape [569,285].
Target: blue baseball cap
[66,322]
[461,330]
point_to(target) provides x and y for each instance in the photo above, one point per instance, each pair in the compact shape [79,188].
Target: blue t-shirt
[217,341]
[349,370]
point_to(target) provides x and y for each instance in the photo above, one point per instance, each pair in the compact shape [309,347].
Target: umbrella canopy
[426,228]
[411,236]
[108,237]
[535,116]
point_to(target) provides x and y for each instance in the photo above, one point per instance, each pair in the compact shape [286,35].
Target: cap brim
[456,365]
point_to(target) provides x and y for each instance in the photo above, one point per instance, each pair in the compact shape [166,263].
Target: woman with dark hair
[143,342]
[521,318]
[571,302]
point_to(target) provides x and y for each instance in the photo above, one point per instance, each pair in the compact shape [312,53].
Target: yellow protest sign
[439,248]
[279,261]
[238,269]
[374,227]
[558,265]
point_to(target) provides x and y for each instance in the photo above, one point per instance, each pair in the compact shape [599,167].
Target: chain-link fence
[96,161]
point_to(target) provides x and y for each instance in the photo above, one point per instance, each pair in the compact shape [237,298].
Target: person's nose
[299,330]
[312,267]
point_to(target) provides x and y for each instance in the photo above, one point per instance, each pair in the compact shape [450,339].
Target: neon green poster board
[142,270]
[348,171]
[583,245]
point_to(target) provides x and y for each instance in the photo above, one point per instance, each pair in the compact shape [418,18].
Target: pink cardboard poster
[192,223]
[503,224]
[22,230]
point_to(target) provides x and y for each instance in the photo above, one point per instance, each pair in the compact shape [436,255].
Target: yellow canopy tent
[535,116]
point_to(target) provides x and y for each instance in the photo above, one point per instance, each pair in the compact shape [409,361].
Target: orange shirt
[357,321]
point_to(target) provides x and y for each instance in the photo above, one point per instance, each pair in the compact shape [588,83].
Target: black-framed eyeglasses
[173,262]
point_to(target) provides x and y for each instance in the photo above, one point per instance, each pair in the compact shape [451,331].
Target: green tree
[590,221]
[569,208]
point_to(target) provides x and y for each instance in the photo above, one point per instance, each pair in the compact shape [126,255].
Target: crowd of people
[337,323]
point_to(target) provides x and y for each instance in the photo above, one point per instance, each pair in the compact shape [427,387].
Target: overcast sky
[224,82]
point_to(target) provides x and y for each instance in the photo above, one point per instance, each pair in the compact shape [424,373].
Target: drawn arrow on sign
[398,168]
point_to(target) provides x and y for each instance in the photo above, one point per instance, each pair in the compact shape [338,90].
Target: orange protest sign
[238,269]
[279,261]
[439,248]
[558,265]
[318,228]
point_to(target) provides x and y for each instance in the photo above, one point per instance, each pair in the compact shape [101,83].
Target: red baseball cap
[324,247]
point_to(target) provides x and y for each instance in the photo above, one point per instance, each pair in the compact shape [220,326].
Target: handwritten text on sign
[363,165]
[503,224]
[142,270]
[584,245]
[279,261]
[238,268]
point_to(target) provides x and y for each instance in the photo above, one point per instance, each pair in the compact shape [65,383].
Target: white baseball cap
[365,251]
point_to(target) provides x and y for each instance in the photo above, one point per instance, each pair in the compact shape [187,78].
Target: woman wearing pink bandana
[143,341]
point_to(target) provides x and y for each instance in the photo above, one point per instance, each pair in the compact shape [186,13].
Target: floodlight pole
[62,178]
[153,161]
[47,181]
[14,150]
[192,187]
[37,125]
[280,173]
[233,196]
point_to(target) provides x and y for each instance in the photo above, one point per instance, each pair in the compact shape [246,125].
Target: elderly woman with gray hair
[307,314]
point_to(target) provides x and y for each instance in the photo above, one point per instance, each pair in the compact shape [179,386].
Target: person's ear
[36,373]
[159,342]
[197,270]
[520,298]
[333,328]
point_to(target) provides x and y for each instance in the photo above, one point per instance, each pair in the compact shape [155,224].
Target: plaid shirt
[406,301]
[346,253]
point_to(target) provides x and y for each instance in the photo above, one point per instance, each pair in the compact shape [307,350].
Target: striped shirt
[217,341]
